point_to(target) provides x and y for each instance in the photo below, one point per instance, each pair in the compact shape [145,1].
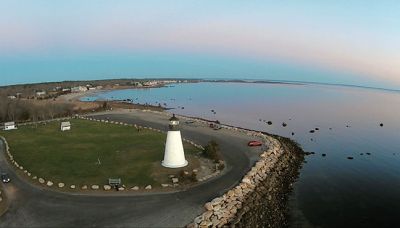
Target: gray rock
[41,180]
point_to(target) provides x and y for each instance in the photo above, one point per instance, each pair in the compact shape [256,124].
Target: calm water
[332,191]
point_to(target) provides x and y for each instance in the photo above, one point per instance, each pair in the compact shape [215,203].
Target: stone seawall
[259,200]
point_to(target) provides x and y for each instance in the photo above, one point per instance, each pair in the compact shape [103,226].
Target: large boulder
[61,185]
[84,187]
[95,187]
[175,180]
[72,186]
[246,180]
[135,188]
[49,183]
[107,187]
[208,206]
[216,201]
[148,187]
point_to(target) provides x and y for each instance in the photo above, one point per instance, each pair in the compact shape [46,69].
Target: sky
[349,42]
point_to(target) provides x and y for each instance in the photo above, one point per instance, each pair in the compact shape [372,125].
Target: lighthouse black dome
[173,118]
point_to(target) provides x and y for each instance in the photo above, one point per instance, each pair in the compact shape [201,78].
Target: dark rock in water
[269,123]
[259,120]
[312,139]
[368,153]
[350,158]
[317,129]
[284,124]
[347,126]
[312,131]
[361,153]
[308,153]
[183,108]
[381,124]
[330,128]
[323,155]
[292,133]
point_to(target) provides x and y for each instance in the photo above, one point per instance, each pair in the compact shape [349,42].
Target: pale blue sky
[354,42]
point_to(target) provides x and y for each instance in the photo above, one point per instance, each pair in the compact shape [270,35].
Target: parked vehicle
[254,143]
[215,126]
[5,178]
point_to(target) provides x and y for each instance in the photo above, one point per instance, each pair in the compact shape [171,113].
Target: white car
[5,178]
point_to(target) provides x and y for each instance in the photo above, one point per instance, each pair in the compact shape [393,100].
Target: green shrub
[211,151]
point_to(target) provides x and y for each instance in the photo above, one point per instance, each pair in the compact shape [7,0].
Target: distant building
[66,90]
[65,126]
[137,84]
[150,83]
[9,126]
[11,97]
[78,89]
[40,93]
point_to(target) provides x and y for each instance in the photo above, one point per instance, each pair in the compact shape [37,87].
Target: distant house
[78,89]
[9,126]
[11,97]
[65,126]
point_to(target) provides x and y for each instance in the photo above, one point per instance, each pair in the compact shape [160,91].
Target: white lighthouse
[174,156]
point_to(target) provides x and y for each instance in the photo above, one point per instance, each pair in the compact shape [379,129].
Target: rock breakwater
[259,200]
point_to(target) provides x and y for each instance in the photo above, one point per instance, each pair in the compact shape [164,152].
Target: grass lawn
[72,156]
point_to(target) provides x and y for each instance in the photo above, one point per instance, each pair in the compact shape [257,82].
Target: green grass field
[72,156]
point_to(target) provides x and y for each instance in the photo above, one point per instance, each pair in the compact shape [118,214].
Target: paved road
[32,206]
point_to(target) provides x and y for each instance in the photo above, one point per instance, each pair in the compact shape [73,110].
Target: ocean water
[352,180]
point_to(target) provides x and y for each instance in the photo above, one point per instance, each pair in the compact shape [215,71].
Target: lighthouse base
[174,156]
[174,166]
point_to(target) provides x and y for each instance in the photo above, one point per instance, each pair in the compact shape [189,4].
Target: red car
[254,143]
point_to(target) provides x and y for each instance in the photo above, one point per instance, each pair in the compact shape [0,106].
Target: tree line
[24,110]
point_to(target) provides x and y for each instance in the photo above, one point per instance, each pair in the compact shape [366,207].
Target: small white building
[9,126]
[65,126]
[40,93]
